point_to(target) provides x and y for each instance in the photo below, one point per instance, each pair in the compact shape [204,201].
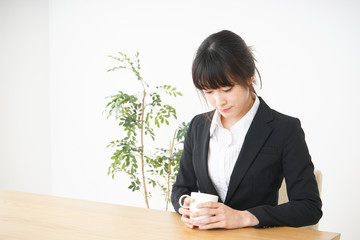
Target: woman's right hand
[185,212]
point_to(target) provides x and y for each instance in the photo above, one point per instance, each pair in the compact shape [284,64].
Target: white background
[53,81]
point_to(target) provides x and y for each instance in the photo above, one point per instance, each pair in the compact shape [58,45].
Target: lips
[225,110]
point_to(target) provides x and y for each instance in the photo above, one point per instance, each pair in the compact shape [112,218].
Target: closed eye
[227,89]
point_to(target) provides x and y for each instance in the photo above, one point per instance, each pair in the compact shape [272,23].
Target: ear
[251,80]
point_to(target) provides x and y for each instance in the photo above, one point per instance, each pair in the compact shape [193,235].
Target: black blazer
[274,148]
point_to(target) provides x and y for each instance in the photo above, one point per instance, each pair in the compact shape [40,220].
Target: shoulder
[274,117]
[281,124]
[201,123]
[282,118]
[203,117]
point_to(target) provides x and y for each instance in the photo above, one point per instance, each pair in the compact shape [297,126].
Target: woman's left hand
[222,217]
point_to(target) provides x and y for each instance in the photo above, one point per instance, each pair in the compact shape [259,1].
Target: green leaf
[126,110]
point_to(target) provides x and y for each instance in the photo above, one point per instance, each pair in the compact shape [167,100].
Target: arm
[304,206]
[186,180]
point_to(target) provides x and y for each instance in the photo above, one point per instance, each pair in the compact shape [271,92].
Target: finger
[189,225]
[206,221]
[210,223]
[211,226]
[184,211]
[187,221]
[209,205]
[188,200]
[204,212]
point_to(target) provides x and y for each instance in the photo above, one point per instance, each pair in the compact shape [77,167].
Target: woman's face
[231,102]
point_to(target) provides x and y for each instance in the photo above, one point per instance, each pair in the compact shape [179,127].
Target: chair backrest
[283,198]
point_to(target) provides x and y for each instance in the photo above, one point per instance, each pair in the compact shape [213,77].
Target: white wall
[308,56]
[24,96]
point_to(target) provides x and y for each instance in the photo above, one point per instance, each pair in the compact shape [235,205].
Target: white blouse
[225,146]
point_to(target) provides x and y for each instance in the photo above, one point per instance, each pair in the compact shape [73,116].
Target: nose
[220,100]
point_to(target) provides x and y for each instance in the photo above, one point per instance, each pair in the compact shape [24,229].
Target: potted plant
[138,115]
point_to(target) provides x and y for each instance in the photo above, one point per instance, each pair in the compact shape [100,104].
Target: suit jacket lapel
[256,136]
[204,178]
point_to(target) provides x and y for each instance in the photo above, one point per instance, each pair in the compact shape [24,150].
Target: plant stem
[142,149]
[169,170]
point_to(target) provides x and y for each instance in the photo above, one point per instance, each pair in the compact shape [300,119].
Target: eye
[227,89]
[207,91]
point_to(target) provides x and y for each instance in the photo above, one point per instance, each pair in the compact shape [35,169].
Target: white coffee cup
[199,198]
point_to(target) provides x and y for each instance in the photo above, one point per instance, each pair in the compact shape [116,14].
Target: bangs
[209,71]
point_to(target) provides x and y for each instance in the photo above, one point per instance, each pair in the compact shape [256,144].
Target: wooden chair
[283,198]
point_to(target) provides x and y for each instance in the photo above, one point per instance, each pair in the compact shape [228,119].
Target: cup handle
[180,200]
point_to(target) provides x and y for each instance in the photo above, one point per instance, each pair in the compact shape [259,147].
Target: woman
[243,149]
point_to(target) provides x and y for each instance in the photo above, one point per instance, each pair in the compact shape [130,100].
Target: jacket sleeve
[304,206]
[186,179]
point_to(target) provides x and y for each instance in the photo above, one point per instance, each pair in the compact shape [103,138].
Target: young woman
[243,149]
